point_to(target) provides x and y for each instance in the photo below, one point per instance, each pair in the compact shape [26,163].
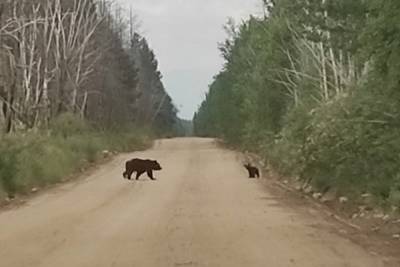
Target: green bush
[286,151]
[331,130]
[69,124]
[350,144]
[128,139]
[8,167]
[354,146]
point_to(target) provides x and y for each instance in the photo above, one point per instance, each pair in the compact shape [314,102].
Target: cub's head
[155,165]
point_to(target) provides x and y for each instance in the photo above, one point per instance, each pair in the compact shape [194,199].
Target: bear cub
[253,171]
[141,166]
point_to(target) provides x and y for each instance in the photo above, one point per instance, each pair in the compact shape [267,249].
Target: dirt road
[202,211]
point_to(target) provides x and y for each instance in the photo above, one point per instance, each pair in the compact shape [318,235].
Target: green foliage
[269,97]
[354,145]
[128,139]
[34,160]
[8,167]
[68,124]
[184,128]
[154,107]
[244,94]
[382,42]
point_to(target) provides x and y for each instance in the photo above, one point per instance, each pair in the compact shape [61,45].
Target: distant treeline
[314,86]
[185,128]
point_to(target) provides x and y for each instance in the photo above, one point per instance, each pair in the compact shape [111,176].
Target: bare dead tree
[53,59]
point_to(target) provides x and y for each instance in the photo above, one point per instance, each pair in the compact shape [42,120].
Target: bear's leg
[251,174]
[129,174]
[257,173]
[150,174]
[138,174]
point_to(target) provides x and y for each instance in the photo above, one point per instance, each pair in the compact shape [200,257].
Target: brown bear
[253,171]
[141,166]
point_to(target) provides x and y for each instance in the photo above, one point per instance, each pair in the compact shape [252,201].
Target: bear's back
[140,164]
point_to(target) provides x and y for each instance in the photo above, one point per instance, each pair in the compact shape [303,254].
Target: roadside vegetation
[314,88]
[33,160]
[76,78]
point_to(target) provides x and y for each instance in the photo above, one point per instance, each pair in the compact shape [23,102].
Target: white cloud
[184,35]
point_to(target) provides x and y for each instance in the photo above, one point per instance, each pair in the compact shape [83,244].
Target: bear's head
[155,165]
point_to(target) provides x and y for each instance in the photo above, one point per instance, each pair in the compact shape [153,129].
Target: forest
[314,88]
[76,78]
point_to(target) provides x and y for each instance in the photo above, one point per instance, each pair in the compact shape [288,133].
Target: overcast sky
[184,35]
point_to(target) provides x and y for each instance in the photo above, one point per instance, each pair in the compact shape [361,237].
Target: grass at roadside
[34,160]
